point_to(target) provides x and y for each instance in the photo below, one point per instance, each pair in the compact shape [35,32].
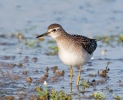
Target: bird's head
[54,30]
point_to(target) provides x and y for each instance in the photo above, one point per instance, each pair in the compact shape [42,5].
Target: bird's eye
[54,30]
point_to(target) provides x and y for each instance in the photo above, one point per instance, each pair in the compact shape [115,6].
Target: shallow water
[30,18]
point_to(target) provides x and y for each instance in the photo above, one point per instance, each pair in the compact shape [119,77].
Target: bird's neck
[63,40]
[63,36]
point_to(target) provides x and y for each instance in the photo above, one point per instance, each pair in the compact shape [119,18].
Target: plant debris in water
[52,94]
[103,73]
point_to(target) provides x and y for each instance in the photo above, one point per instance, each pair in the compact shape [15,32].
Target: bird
[73,50]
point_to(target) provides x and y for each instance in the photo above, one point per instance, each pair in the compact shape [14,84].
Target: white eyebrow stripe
[49,30]
[53,28]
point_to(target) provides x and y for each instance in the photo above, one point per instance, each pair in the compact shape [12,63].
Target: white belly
[71,57]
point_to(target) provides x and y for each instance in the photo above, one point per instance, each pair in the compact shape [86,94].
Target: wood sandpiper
[74,50]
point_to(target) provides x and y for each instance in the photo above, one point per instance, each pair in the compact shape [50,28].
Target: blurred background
[96,17]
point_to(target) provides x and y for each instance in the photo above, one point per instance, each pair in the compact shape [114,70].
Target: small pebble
[20,65]
[36,70]
[26,59]
[29,79]
[9,97]
[54,68]
[25,72]
[93,80]
[59,73]
[34,59]
[13,65]
[121,85]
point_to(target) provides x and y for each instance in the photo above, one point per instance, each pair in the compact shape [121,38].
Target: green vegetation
[53,95]
[109,40]
[31,43]
[59,95]
[44,94]
[53,50]
[117,97]
[84,84]
[99,95]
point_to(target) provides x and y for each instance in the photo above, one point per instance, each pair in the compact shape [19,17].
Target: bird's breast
[73,55]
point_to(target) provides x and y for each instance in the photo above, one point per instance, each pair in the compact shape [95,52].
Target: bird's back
[88,44]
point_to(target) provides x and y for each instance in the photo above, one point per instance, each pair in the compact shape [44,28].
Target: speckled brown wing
[88,44]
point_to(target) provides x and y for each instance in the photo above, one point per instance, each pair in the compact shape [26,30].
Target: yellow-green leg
[78,77]
[71,74]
